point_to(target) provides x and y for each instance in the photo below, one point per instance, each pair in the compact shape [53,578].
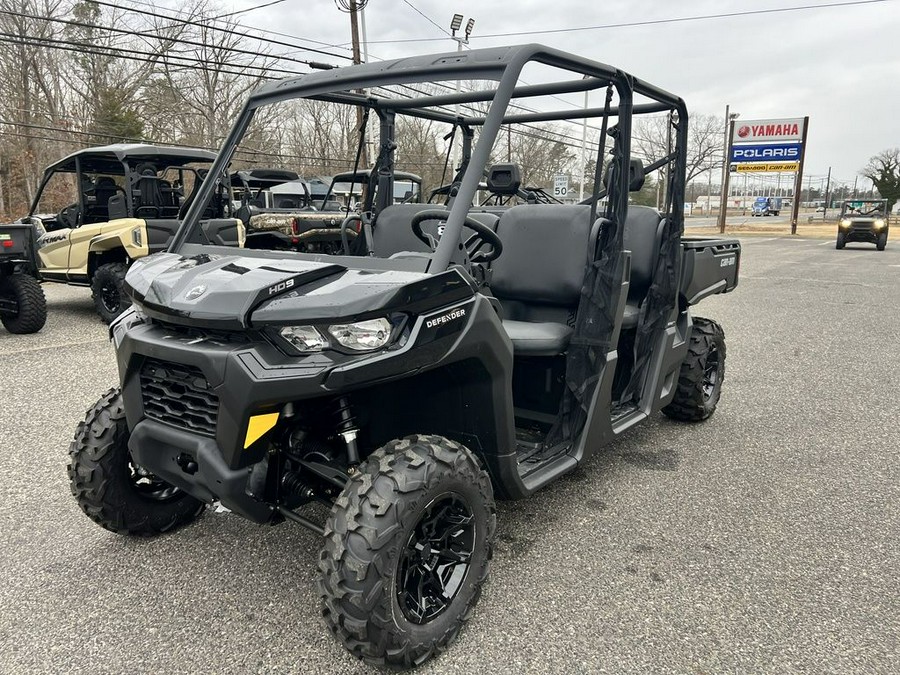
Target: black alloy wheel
[435,562]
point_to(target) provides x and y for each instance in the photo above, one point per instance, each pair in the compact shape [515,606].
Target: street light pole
[583,148]
[455,25]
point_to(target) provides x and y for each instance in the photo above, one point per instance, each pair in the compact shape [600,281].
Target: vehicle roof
[289,187]
[109,158]
[264,177]
[347,176]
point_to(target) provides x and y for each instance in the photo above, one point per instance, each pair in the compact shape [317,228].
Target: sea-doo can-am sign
[768,130]
[767,152]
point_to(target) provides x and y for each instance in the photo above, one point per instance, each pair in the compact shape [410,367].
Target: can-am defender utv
[863,220]
[23,308]
[465,353]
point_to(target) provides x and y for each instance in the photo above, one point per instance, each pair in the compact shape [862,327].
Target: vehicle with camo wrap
[280,213]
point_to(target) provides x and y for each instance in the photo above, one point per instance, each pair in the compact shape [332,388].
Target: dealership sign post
[767,146]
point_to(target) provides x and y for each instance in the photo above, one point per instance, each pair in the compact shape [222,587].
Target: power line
[427,18]
[650,22]
[120,53]
[155,36]
[249,9]
[208,26]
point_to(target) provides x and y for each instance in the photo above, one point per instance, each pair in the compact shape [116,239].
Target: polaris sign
[770,152]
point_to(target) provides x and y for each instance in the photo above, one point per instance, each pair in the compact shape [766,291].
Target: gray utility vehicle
[405,387]
[23,308]
[863,220]
[119,203]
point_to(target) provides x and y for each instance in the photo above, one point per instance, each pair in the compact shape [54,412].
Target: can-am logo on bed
[769,130]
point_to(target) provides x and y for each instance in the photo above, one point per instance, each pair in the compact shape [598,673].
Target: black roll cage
[504,65]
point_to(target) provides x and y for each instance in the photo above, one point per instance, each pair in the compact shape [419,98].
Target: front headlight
[362,336]
[304,338]
[879,223]
[845,222]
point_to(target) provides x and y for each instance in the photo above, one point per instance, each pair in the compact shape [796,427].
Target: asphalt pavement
[765,540]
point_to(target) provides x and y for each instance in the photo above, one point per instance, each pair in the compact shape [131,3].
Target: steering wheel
[482,232]
[68,217]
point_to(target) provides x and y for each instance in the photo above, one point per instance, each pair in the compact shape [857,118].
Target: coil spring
[346,421]
[346,427]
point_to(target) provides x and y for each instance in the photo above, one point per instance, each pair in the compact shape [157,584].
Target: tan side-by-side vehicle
[99,209]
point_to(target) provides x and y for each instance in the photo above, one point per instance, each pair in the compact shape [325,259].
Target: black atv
[863,220]
[462,354]
[23,308]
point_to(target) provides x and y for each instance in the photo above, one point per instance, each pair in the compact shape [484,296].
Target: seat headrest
[504,179]
[635,173]
[545,252]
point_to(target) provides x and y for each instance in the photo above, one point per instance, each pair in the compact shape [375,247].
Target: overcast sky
[839,65]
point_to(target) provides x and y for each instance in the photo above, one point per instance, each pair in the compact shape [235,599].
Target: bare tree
[650,140]
[883,170]
[31,96]
[211,80]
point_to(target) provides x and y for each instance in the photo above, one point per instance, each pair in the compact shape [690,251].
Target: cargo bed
[711,266]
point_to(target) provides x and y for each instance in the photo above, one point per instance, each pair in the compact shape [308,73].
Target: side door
[56,205]
[79,245]
[53,253]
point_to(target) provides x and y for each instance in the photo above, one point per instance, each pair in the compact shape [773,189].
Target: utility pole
[855,179]
[726,173]
[798,183]
[354,8]
[827,193]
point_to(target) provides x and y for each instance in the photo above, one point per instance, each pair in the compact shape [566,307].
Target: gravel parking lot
[764,540]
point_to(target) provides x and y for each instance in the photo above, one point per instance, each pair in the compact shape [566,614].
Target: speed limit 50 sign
[560,185]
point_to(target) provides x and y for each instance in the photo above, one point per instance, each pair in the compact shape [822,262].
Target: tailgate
[16,241]
[710,266]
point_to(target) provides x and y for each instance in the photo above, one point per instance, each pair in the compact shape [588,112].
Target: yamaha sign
[756,131]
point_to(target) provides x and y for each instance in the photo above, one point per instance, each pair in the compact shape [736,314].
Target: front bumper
[196,465]
[215,385]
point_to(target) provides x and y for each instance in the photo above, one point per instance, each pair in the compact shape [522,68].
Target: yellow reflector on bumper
[259,425]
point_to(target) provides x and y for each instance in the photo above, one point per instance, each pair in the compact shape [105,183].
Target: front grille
[179,395]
